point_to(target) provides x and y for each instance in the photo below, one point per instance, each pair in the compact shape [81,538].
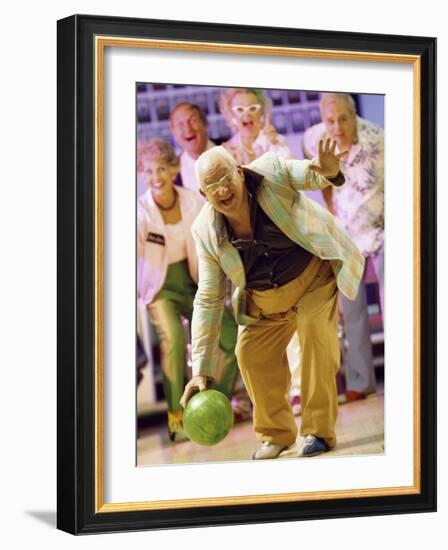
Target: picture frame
[82,238]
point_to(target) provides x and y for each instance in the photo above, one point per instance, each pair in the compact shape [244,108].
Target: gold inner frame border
[101,42]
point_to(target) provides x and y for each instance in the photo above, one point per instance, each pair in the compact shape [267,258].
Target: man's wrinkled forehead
[181,112]
[216,171]
[185,111]
[335,103]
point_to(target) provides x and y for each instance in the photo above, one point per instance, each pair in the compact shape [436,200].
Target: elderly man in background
[189,127]
[359,205]
[286,257]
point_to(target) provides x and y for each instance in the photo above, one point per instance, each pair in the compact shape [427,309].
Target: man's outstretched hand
[195,385]
[327,161]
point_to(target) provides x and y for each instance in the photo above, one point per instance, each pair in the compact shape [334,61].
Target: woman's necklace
[248,150]
[171,206]
[247,147]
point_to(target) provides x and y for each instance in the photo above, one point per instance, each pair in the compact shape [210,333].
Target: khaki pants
[308,304]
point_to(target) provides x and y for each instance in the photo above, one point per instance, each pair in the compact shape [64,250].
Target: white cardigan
[151,256]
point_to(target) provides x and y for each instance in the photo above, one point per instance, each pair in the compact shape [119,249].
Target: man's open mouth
[227,201]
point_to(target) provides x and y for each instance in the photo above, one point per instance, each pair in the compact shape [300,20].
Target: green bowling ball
[208,417]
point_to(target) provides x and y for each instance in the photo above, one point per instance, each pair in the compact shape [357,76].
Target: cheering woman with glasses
[247,113]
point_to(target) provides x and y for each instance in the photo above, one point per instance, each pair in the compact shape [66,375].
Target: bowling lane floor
[359,428]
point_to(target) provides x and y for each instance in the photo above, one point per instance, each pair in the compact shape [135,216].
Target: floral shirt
[359,204]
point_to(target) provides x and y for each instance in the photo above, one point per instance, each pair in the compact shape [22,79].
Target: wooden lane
[359,428]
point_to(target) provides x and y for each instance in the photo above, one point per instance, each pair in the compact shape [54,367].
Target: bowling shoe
[178,437]
[349,396]
[296,405]
[242,407]
[175,427]
[314,446]
[268,450]
[354,395]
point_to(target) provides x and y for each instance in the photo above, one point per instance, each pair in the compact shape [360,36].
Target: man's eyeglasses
[225,181]
[240,110]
